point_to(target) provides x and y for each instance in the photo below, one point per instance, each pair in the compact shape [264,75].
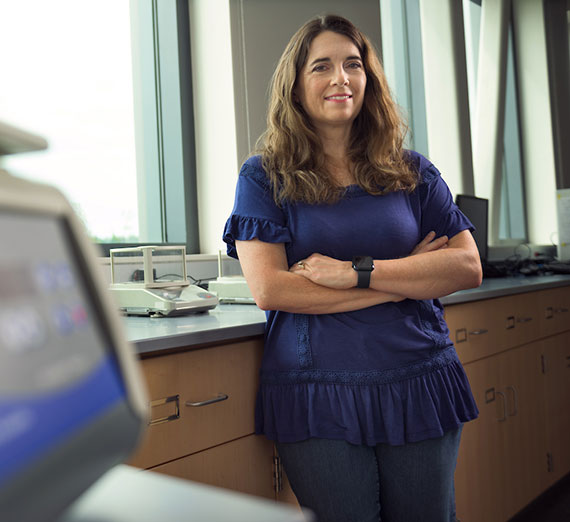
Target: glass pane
[67,76]
[512,224]
[512,221]
[403,64]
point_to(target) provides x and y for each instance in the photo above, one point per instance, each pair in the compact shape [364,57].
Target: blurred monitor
[476,210]
[72,404]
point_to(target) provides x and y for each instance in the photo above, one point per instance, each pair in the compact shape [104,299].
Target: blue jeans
[342,482]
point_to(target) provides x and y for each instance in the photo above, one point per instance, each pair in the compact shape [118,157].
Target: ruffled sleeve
[439,212]
[255,214]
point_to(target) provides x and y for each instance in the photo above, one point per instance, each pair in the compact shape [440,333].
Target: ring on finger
[300,264]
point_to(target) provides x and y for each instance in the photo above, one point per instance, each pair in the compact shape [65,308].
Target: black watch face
[363,263]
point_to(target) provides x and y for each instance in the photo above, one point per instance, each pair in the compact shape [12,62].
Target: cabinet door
[480,477]
[525,444]
[201,398]
[502,458]
[554,310]
[244,465]
[557,403]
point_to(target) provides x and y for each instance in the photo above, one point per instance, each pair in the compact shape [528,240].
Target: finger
[298,266]
[429,238]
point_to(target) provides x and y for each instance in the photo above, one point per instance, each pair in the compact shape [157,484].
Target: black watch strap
[363,278]
[363,266]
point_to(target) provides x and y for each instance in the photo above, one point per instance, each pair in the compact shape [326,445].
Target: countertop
[127,494]
[229,322]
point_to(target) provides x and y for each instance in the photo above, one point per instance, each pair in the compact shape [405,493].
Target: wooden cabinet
[519,444]
[556,356]
[202,418]
[554,306]
[483,328]
[516,353]
[243,465]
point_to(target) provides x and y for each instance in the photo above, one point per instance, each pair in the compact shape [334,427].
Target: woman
[347,240]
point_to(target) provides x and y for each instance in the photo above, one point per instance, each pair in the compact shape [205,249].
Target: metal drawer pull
[504,417]
[524,319]
[515,401]
[560,310]
[221,397]
[168,418]
[479,332]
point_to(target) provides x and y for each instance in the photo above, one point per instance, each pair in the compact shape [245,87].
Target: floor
[552,506]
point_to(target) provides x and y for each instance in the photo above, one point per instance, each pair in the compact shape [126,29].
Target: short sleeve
[255,214]
[439,212]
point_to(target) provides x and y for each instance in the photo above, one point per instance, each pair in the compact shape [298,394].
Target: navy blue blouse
[384,374]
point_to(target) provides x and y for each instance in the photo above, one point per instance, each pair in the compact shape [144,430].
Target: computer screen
[476,210]
[71,402]
[57,370]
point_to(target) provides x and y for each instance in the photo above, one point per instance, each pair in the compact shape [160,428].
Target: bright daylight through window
[67,76]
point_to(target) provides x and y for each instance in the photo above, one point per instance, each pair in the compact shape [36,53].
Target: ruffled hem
[411,410]
[242,228]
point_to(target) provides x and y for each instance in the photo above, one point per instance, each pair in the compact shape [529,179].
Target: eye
[319,68]
[354,65]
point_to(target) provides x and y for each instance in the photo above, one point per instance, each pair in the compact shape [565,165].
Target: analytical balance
[151,280]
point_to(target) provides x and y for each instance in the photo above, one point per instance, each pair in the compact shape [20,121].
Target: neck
[335,142]
[335,147]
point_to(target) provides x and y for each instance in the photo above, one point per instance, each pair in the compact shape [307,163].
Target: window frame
[164,125]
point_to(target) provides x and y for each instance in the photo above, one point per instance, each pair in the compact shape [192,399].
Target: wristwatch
[363,266]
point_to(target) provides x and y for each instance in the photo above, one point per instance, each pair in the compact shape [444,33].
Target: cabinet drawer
[554,310]
[199,399]
[244,465]
[483,328]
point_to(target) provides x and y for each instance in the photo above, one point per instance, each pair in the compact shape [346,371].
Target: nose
[340,77]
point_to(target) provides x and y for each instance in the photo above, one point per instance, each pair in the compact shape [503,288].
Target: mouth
[338,97]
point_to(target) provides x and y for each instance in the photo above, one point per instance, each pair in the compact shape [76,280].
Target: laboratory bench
[511,334]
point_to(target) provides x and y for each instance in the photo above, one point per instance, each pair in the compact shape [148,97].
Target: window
[108,85]
[512,215]
[402,60]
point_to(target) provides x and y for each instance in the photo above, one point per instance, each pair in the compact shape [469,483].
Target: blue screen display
[57,371]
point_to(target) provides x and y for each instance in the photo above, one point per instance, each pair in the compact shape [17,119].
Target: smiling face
[331,84]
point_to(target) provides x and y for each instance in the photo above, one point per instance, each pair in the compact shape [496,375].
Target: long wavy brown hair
[291,150]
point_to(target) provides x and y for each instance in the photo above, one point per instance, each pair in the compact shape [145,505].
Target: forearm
[429,275]
[293,293]
[436,267]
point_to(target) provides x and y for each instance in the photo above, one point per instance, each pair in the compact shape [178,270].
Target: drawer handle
[510,322]
[549,312]
[524,319]
[504,417]
[515,401]
[560,310]
[479,332]
[221,397]
[159,402]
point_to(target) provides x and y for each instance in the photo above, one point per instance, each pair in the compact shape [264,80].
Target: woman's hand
[430,244]
[326,271]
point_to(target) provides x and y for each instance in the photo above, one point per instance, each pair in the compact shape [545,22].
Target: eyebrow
[327,59]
